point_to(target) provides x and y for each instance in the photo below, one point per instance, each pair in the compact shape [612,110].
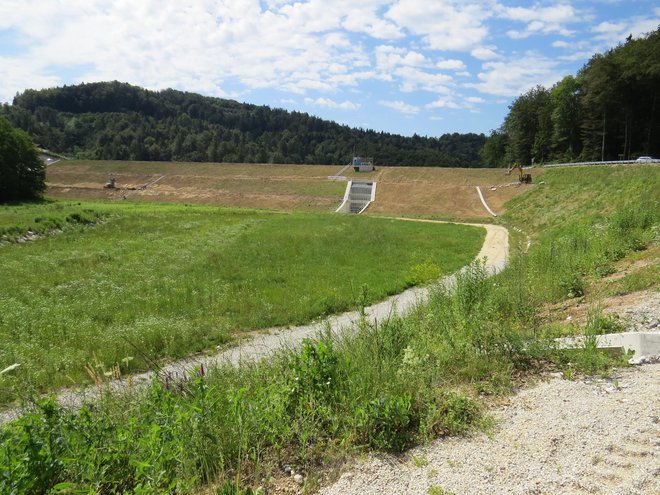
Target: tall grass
[386,387]
[584,220]
[161,281]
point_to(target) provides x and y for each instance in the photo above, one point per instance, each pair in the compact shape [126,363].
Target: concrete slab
[643,344]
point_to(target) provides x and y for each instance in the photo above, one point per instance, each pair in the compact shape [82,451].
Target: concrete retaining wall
[357,197]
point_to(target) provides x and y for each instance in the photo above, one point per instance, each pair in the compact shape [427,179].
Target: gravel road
[494,251]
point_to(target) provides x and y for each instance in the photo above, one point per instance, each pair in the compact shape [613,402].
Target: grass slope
[166,280]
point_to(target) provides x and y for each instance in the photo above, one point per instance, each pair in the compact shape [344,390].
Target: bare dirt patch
[282,187]
[448,192]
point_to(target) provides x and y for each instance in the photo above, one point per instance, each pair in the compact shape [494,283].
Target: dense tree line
[609,111]
[22,173]
[112,120]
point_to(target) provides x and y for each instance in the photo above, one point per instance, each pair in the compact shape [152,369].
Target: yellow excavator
[523,178]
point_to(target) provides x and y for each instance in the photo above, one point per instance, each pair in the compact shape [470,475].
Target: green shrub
[387,423]
[457,413]
[572,285]
[315,371]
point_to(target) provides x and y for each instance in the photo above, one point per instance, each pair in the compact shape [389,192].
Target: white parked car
[645,159]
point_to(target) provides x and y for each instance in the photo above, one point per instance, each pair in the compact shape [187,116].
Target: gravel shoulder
[494,252]
[591,436]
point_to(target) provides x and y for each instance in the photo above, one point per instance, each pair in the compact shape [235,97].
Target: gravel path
[494,251]
[594,436]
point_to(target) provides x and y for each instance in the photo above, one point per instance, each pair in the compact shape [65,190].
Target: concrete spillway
[358,196]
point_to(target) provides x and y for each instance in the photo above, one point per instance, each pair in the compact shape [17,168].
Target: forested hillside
[113,120]
[609,111]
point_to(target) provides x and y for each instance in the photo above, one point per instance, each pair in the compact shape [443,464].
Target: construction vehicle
[111,184]
[523,178]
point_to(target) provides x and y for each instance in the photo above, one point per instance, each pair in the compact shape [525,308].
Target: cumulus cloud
[400,106]
[516,75]
[328,103]
[443,24]
[203,46]
[561,44]
[451,64]
[443,103]
[484,53]
[413,79]
[612,33]
[389,57]
[541,20]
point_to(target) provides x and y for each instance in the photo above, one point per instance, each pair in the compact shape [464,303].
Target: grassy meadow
[119,283]
[386,387]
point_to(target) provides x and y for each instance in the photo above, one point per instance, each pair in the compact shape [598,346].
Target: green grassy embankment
[120,283]
[387,387]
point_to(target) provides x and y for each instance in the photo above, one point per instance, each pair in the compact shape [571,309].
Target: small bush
[387,423]
[457,413]
[315,371]
[572,285]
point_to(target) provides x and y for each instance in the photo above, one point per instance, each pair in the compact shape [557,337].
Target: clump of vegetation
[22,173]
[36,219]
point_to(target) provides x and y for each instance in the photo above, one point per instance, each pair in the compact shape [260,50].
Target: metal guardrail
[614,162]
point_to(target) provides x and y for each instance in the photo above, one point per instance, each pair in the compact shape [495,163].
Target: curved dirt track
[494,252]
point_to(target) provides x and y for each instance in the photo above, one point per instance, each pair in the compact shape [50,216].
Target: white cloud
[541,20]
[326,53]
[562,12]
[400,106]
[413,79]
[443,103]
[516,75]
[328,103]
[197,47]
[561,44]
[484,53]
[443,24]
[389,57]
[578,55]
[451,64]
[14,74]
[612,33]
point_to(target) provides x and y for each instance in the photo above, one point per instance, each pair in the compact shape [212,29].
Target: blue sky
[404,66]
